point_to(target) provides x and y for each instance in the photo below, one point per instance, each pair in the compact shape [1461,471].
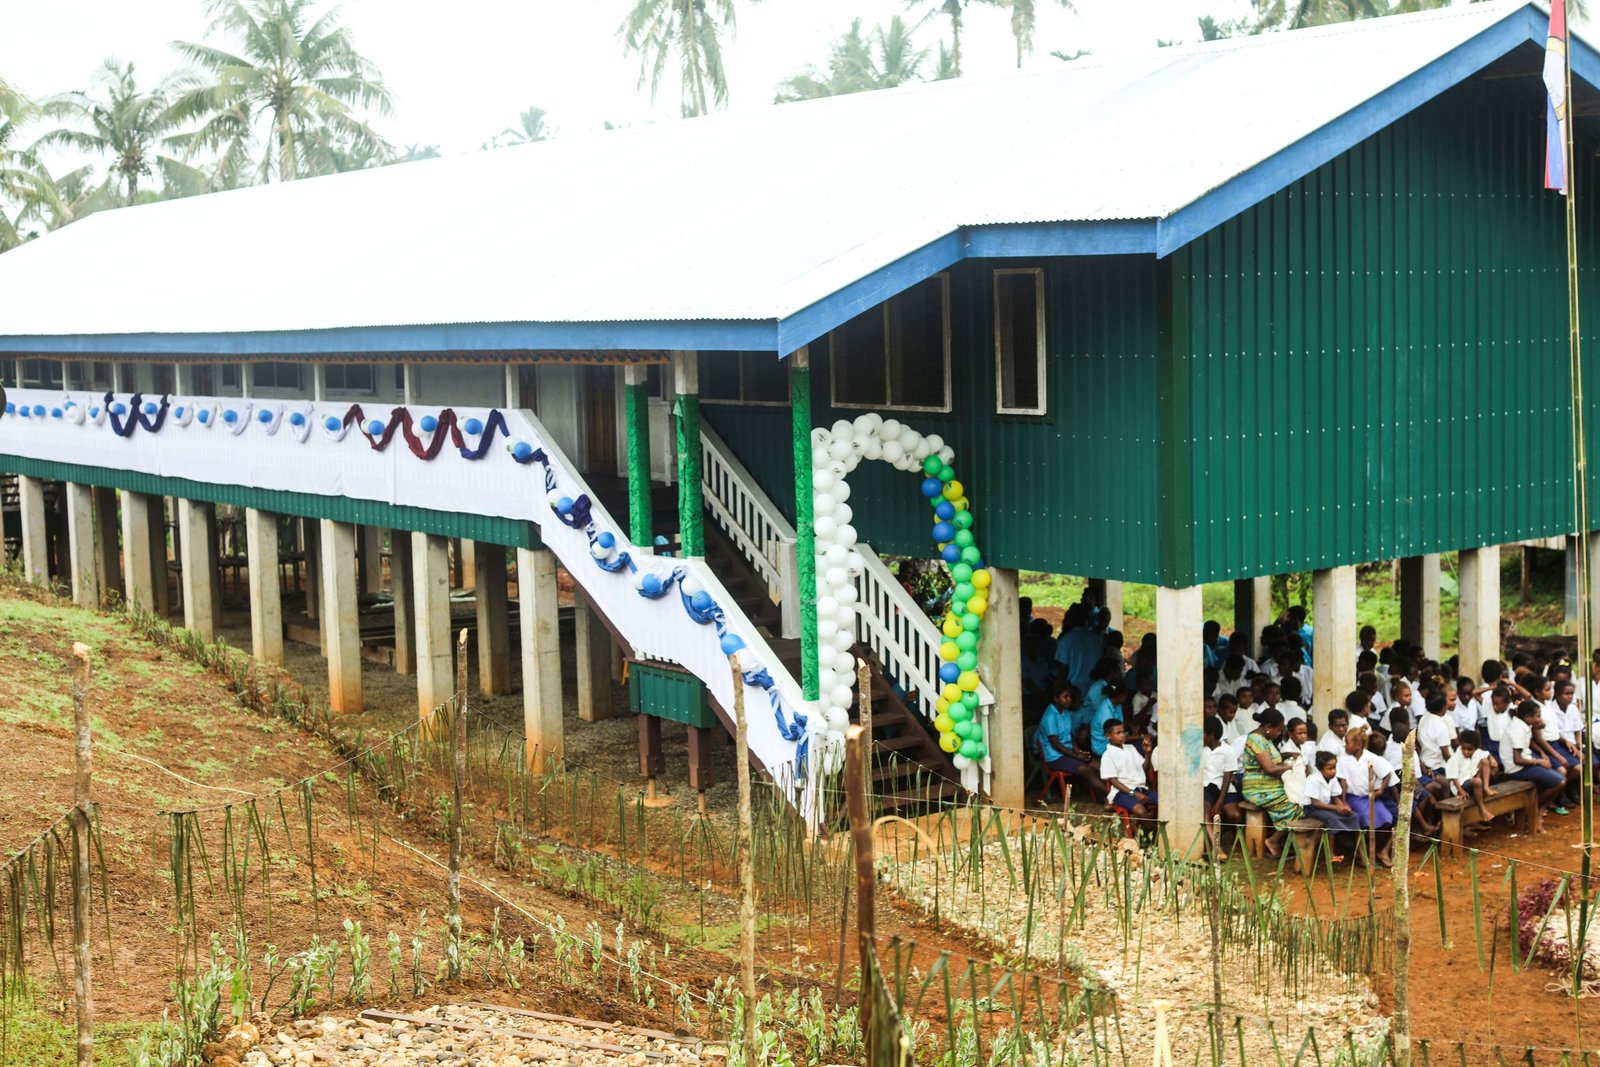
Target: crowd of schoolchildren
[1097,722]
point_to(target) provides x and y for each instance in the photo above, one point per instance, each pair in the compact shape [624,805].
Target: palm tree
[16,166]
[954,10]
[691,31]
[54,202]
[858,63]
[120,122]
[532,125]
[1024,17]
[291,83]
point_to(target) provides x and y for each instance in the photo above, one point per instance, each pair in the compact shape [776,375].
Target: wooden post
[458,771]
[864,700]
[82,814]
[1402,908]
[747,871]
[855,785]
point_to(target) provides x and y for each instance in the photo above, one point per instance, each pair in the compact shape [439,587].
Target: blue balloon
[932,487]
[263,416]
[330,422]
[38,409]
[151,407]
[473,426]
[701,601]
[204,416]
[26,412]
[606,540]
[946,510]
[949,672]
[428,423]
[178,411]
[522,450]
[297,418]
[943,532]
[375,428]
[731,643]
[230,416]
[55,413]
[11,407]
[564,505]
[650,584]
[119,408]
[94,412]
[951,554]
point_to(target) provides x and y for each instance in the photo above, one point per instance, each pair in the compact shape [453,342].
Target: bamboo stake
[82,828]
[458,769]
[864,698]
[1402,906]
[855,776]
[747,870]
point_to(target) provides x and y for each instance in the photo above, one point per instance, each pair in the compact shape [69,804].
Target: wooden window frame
[943,278]
[740,400]
[1000,407]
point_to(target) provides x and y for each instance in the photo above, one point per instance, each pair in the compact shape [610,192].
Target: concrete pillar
[1000,667]
[494,622]
[1333,621]
[266,606]
[108,560]
[1569,602]
[311,535]
[371,557]
[35,530]
[1181,697]
[594,663]
[1419,602]
[80,545]
[1480,608]
[1594,589]
[430,574]
[341,632]
[198,564]
[1113,598]
[541,654]
[1252,609]
[403,589]
[214,571]
[466,563]
[138,563]
[160,553]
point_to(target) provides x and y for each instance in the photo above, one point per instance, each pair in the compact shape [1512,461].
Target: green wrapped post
[806,549]
[636,393]
[691,494]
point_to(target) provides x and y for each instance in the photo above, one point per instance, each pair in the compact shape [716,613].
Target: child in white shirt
[1368,778]
[1436,736]
[1468,771]
[1323,797]
[1467,711]
[1122,769]
[1332,739]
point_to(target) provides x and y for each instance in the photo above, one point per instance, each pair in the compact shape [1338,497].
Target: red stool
[1127,819]
[1054,780]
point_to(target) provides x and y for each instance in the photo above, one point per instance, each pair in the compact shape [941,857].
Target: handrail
[752,522]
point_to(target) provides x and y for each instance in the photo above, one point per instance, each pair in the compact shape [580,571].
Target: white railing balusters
[753,522]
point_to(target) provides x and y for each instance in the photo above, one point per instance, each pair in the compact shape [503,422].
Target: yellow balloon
[961,504]
[978,605]
[949,652]
[952,490]
[980,579]
[949,742]
[952,626]
[952,691]
[941,705]
[967,683]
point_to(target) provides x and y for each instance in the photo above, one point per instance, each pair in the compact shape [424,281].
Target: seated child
[1367,778]
[1522,759]
[1469,771]
[1056,747]
[1220,770]
[1324,799]
[1122,769]
[1332,739]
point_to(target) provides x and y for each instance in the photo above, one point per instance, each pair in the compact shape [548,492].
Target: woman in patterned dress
[1264,767]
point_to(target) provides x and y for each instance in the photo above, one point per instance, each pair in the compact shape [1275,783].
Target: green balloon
[963,538]
[945,473]
[968,701]
[959,712]
[958,607]
[971,749]
[961,573]
[969,621]
[980,749]
[963,590]
[932,466]
[967,661]
[967,642]
[969,730]
[962,520]
[971,555]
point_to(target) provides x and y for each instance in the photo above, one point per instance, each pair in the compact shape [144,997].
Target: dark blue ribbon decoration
[124,427]
[495,423]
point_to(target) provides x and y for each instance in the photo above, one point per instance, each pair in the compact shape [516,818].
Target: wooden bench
[1306,836]
[1511,797]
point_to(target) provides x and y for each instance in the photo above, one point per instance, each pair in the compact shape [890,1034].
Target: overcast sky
[461,70]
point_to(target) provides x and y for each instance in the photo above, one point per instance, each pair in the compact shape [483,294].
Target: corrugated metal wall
[1073,492]
[1375,359]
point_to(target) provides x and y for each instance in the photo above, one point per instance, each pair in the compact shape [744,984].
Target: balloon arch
[835,452]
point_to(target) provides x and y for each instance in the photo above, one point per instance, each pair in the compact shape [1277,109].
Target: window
[744,378]
[163,379]
[655,381]
[351,378]
[1019,345]
[283,376]
[229,376]
[41,373]
[898,354]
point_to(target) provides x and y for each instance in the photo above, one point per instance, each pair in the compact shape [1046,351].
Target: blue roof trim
[814,320]
[1013,240]
[1350,129]
[463,337]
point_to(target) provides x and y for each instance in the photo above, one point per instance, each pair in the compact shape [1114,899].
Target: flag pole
[1580,500]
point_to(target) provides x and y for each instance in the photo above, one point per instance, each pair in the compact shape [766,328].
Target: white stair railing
[752,522]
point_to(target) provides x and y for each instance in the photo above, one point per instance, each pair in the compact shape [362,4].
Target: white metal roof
[737,217]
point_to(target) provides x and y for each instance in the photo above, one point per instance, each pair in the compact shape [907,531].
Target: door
[600,420]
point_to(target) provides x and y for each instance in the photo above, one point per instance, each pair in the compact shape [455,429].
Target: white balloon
[638,579]
[839,449]
[961,762]
[877,420]
[843,428]
[826,628]
[827,607]
[845,595]
[838,718]
[690,584]
[845,618]
[909,439]
[846,536]
[841,491]
[819,436]
[823,480]
[892,451]
[599,551]
[825,527]
[854,564]
[863,425]
[840,696]
[858,447]
[947,454]
[889,429]
[837,556]
[823,504]
[827,678]
[842,513]
[842,640]
[819,456]
[935,444]
[874,449]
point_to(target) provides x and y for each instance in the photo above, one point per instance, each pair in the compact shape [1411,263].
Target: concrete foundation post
[80,553]
[198,565]
[138,564]
[1181,697]
[430,573]
[35,530]
[494,622]
[403,589]
[311,533]
[371,555]
[467,562]
[160,553]
[108,558]
[214,571]
[1000,667]
[1333,621]
[1252,609]
[341,632]
[541,655]
[1480,608]
[1419,601]
[594,663]
[266,606]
